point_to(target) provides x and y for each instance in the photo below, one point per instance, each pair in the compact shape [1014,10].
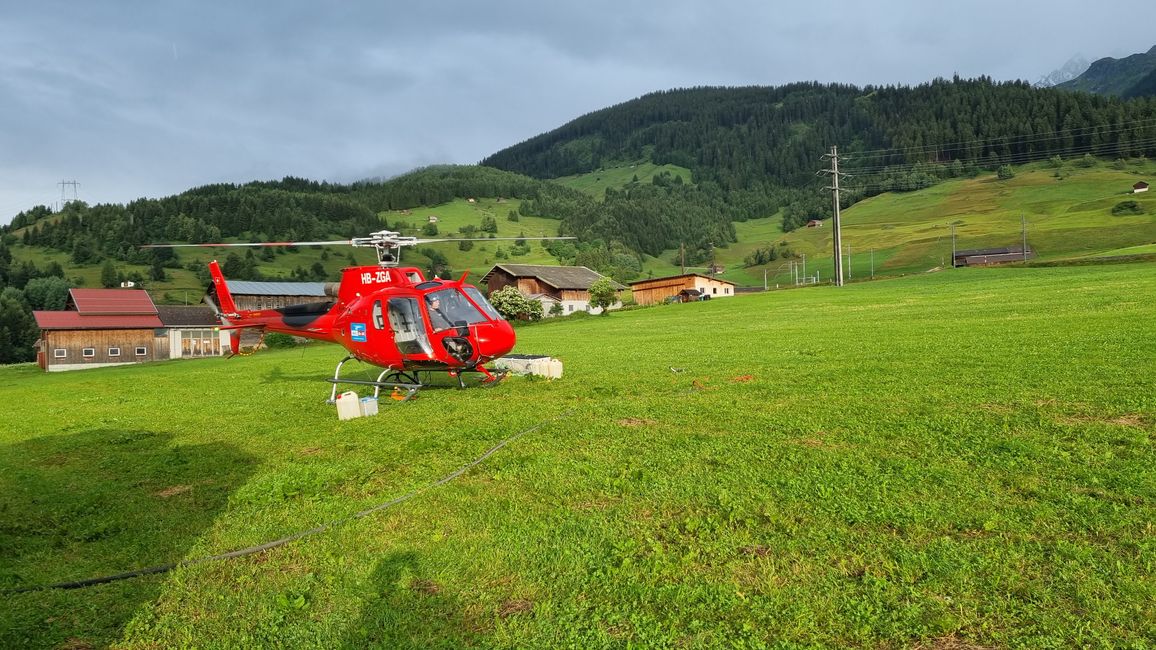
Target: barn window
[114,352]
[88,353]
[714,290]
[59,353]
[142,351]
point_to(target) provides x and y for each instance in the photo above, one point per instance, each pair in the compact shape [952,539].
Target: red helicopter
[385,315]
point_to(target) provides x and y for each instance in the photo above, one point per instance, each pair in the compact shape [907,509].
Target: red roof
[91,302]
[71,320]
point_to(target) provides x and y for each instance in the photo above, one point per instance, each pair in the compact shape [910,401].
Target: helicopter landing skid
[401,392]
[404,386]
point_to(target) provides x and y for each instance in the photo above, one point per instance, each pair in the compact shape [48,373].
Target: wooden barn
[565,285]
[100,327]
[687,287]
[193,331]
[988,256]
[248,294]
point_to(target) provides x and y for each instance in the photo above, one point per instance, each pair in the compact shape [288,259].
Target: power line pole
[63,196]
[1024,225]
[953,245]
[838,231]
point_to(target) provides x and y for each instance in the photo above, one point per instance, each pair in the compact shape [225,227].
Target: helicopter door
[408,329]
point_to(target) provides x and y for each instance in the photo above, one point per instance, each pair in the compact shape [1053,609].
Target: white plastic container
[348,406]
[368,406]
[524,364]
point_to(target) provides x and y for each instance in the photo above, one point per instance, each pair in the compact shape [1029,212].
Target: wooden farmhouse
[686,287]
[113,327]
[568,286]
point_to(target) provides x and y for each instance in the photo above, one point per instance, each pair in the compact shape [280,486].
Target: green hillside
[1068,210]
[596,183]
[937,461]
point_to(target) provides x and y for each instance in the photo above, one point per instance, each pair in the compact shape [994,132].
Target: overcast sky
[147,99]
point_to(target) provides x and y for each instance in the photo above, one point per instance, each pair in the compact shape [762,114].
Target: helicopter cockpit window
[378,316]
[408,331]
[449,308]
[481,301]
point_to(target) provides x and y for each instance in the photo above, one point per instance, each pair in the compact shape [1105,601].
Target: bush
[276,341]
[1005,172]
[1127,207]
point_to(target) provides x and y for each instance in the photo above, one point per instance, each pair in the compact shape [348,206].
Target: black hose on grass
[165,568]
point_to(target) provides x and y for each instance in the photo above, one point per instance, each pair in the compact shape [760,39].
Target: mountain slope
[1117,77]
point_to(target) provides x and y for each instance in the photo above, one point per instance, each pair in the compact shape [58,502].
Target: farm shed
[568,285]
[656,290]
[100,327]
[987,256]
[1139,187]
[193,331]
[248,294]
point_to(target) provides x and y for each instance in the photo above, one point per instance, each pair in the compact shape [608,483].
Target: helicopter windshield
[449,308]
[481,301]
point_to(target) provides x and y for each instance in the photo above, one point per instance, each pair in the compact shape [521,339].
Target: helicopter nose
[495,339]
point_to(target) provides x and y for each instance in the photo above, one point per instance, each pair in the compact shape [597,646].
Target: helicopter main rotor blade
[434,241]
[240,244]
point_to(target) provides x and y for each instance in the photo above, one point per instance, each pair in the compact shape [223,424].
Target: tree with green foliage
[603,295]
[18,330]
[1005,173]
[47,294]
[109,276]
[489,224]
[513,305]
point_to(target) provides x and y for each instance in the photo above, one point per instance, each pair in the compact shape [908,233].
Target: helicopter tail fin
[221,290]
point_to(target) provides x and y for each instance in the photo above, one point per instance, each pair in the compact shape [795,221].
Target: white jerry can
[348,406]
[368,406]
[547,367]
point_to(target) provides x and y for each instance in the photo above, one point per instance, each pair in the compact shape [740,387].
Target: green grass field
[951,460]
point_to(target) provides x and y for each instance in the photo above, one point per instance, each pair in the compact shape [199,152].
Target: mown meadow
[948,460]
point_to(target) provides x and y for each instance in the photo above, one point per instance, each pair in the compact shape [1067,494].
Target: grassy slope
[948,458]
[595,183]
[911,232]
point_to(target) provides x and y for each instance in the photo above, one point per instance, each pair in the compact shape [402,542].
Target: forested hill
[764,140]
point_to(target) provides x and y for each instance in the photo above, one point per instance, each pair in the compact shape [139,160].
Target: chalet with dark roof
[568,286]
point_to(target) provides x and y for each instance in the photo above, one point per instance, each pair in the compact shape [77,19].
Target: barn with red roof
[112,327]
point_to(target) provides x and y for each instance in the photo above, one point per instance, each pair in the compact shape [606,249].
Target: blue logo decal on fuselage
[357,332]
